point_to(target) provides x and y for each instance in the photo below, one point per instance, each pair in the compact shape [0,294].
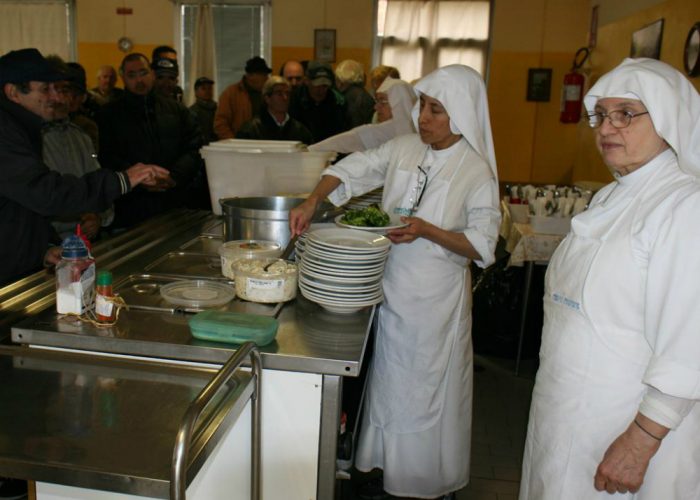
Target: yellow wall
[614,45]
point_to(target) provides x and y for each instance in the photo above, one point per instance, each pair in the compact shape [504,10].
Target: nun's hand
[625,462]
[416,228]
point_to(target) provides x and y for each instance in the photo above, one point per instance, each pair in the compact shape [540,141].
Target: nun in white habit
[443,181]
[394,102]
[614,404]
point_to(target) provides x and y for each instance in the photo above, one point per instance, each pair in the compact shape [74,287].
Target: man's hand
[626,460]
[90,225]
[416,228]
[148,175]
[52,256]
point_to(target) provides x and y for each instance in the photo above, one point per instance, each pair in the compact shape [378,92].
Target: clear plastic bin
[235,169]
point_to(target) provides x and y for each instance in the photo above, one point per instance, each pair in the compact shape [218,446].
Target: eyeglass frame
[600,118]
[420,188]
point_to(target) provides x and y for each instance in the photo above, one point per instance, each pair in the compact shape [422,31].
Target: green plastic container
[233,328]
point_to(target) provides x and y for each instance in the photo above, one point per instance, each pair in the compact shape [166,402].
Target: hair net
[672,102]
[462,92]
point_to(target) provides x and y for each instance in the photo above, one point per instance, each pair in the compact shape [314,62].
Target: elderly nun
[613,409]
[442,181]
[394,103]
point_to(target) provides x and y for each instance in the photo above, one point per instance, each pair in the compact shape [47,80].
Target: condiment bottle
[104,308]
[75,277]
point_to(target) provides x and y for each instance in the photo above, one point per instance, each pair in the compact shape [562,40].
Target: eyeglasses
[383,101]
[419,190]
[281,93]
[618,118]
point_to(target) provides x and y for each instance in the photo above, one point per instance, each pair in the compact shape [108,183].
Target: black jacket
[30,193]
[323,119]
[264,127]
[156,130]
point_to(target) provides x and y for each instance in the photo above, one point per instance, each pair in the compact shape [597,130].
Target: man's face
[294,73]
[205,92]
[106,78]
[318,92]
[166,84]
[60,106]
[278,100]
[39,100]
[138,77]
[256,80]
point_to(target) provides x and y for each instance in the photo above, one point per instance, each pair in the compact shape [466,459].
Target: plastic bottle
[104,309]
[75,277]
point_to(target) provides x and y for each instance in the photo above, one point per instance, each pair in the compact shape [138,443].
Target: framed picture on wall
[324,45]
[646,42]
[539,84]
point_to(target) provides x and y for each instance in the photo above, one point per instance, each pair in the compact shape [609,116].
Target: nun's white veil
[672,102]
[462,92]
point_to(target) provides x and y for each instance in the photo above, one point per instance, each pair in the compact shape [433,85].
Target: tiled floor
[501,404]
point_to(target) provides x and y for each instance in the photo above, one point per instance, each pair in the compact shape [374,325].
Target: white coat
[417,418]
[621,314]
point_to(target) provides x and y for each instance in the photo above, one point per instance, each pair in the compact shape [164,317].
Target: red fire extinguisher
[572,90]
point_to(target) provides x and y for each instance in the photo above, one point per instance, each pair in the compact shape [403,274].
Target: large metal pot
[265,217]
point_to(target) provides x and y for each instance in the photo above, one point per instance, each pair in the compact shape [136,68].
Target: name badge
[405,212]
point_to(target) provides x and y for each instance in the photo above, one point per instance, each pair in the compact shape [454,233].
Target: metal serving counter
[310,340]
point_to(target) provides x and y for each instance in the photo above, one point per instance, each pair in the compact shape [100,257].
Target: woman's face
[382,107]
[626,149]
[434,124]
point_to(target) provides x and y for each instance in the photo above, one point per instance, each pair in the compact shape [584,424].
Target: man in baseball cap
[166,71]
[318,105]
[204,107]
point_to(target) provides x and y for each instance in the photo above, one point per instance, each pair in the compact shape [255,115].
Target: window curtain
[203,62]
[43,25]
[421,35]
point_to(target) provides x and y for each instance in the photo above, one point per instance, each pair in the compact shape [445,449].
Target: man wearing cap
[274,123]
[29,191]
[145,126]
[318,105]
[241,101]
[166,71]
[204,107]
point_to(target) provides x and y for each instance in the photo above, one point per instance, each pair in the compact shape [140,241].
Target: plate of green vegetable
[371,218]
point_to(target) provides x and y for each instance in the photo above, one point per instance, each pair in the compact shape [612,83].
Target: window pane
[408,60]
[41,25]
[462,20]
[473,58]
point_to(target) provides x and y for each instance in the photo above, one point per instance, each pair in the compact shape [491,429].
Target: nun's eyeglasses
[419,190]
[617,118]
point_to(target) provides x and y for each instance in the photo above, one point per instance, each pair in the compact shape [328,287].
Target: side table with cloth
[526,247]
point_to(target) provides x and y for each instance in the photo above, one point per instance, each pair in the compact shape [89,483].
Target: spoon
[286,253]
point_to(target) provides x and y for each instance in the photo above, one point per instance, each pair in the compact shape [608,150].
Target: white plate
[349,287]
[340,279]
[345,260]
[375,271]
[341,299]
[349,239]
[394,223]
[339,308]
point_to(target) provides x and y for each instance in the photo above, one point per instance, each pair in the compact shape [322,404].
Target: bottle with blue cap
[75,277]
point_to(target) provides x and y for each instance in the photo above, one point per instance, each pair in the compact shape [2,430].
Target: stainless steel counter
[107,424]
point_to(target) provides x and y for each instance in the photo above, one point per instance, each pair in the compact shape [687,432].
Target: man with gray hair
[106,92]
[350,80]
[274,123]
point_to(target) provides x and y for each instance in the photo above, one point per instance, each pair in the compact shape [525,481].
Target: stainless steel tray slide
[189,265]
[111,424]
[204,244]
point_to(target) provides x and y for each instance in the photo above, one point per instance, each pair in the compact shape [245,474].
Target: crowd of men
[111,158]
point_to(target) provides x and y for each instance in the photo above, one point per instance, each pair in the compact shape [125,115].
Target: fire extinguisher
[572,90]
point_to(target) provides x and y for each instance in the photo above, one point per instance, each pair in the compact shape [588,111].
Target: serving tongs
[286,253]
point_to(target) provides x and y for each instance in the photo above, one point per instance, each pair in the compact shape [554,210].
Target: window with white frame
[418,36]
[237,31]
[47,25]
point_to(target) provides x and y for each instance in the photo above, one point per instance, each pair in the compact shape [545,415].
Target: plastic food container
[197,294]
[233,327]
[277,284]
[233,251]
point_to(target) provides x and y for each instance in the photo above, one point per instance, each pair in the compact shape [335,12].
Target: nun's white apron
[417,419]
[588,386]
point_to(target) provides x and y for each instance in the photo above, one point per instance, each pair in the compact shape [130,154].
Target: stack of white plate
[342,269]
[365,200]
[300,245]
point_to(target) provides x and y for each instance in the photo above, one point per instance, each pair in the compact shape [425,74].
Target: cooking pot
[265,217]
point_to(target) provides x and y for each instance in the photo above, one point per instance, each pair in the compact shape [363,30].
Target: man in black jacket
[143,126]
[30,192]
